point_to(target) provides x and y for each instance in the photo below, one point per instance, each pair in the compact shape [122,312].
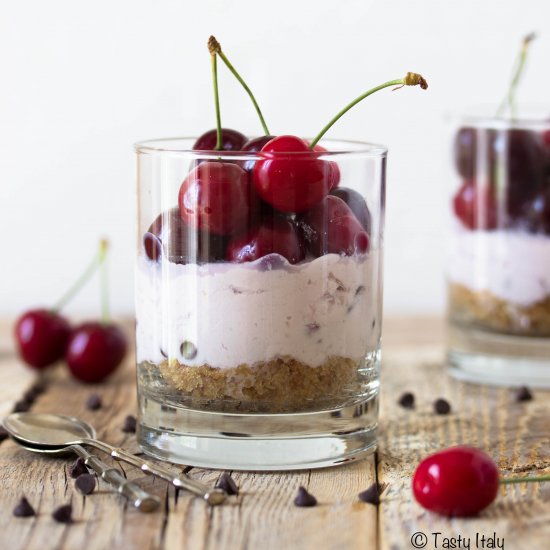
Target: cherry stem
[510,99]
[510,480]
[219,141]
[215,48]
[104,285]
[411,79]
[81,281]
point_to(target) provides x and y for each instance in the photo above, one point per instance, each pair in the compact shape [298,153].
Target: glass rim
[530,116]
[347,148]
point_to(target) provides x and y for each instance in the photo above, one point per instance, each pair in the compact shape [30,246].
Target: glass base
[258,441]
[497,359]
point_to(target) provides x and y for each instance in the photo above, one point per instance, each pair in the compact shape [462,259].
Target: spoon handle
[212,496]
[140,499]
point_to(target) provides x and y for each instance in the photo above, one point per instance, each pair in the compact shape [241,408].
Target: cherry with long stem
[509,100]
[219,138]
[410,79]
[215,48]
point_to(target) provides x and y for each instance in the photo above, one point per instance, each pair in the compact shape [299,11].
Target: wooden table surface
[263,516]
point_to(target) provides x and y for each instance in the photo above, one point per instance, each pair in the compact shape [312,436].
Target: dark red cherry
[169,235]
[254,145]
[357,204]
[456,482]
[95,350]
[331,227]
[536,213]
[291,182]
[216,197]
[465,151]
[231,140]
[475,206]
[41,337]
[275,235]
[335,175]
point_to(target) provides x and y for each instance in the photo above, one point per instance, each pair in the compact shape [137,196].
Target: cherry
[231,140]
[216,197]
[465,151]
[475,206]
[169,235]
[456,482]
[335,176]
[357,204]
[291,182]
[331,227]
[95,350]
[275,235]
[536,213]
[254,145]
[41,336]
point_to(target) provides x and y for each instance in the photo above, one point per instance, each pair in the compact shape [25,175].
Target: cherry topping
[95,350]
[357,204]
[536,213]
[254,145]
[41,336]
[456,482]
[335,176]
[231,140]
[275,235]
[331,227]
[169,235]
[475,206]
[293,182]
[216,197]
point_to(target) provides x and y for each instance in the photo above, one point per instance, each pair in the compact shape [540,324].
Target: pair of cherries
[279,203]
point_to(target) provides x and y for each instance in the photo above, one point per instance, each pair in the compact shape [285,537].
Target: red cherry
[216,197]
[41,337]
[293,182]
[331,227]
[275,235]
[231,140]
[254,145]
[335,176]
[169,235]
[357,204]
[475,206]
[456,482]
[95,350]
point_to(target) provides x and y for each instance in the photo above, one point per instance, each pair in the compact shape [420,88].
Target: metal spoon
[52,431]
[141,499]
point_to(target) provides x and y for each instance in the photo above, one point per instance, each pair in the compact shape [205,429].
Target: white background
[80,82]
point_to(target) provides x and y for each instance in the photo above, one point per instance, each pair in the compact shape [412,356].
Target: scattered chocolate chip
[39,387]
[93,403]
[304,499]
[3,433]
[129,425]
[23,509]
[524,394]
[78,467]
[227,483]
[407,400]
[29,396]
[21,406]
[442,406]
[188,350]
[360,290]
[370,495]
[63,514]
[85,483]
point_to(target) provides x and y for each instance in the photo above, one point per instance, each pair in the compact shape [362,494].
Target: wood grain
[263,515]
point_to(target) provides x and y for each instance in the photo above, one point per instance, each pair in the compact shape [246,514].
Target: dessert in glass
[259,295]
[499,253]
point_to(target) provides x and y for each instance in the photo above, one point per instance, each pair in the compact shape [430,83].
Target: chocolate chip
[524,394]
[188,350]
[304,499]
[3,433]
[370,495]
[85,483]
[442,406]
[78,467]
[63,514]
[227,483]
[38,388]
[29,396]
[23,509]
[407,400]
[129,425]
[93,403]
[21,406]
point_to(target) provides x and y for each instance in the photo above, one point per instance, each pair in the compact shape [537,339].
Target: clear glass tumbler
[499,254]
[258,328]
